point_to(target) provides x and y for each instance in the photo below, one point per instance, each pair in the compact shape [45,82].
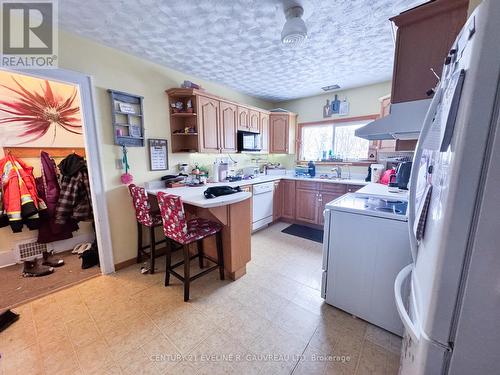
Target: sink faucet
[338,170]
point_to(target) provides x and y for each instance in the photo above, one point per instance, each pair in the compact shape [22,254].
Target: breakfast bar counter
[233,211]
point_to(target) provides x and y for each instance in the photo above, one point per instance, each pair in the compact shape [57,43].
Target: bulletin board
[158,154]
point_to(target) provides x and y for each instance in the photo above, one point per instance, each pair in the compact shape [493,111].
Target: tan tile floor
[272,321]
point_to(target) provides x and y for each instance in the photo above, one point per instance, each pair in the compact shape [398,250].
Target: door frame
[92,136]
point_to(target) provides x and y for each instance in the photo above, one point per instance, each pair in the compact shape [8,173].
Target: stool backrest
[141,205]
[173,216]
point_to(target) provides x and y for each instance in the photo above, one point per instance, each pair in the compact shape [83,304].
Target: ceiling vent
[294,30]
[330,88]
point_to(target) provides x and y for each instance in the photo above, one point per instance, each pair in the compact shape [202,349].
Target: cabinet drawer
[333,188]
[308,185]
[353,188]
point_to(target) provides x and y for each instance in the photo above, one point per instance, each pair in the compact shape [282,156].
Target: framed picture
[36,112]
[158,154]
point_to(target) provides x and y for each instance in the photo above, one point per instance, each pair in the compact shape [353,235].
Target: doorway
[60,137]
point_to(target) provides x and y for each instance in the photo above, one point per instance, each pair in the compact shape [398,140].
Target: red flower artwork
[33,114]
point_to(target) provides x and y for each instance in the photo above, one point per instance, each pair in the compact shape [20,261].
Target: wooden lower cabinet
[325,197]
[277,200]
[288,191]
[304,201]
[353,188]
[306,205]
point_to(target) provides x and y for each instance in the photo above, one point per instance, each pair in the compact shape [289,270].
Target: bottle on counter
[312,168]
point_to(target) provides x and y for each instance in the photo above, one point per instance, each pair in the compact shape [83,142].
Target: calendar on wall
[158,154]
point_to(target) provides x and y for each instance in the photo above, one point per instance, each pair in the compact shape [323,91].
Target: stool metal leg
[220,254]
[152,252]
[139,242]
[186,272]
[168,261]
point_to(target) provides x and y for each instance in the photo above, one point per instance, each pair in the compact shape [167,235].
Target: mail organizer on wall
[128,119]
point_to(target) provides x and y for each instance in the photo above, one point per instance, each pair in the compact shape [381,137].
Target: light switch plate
[119,164]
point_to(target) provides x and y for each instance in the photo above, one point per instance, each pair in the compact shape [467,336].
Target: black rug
[304,232]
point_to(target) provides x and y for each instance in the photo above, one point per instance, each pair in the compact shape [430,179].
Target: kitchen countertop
[381,190]
[194,195]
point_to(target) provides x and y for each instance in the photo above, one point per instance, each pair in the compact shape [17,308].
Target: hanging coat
[20,198]
[48,190]
[74,198]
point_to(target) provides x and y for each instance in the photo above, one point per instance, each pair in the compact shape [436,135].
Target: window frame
[333,122]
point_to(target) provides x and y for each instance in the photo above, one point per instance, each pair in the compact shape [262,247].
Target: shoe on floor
[50,260]
[32,268]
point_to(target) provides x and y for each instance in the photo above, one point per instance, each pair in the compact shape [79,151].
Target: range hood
[404,122]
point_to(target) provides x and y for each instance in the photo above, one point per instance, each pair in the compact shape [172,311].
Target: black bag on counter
[217,191]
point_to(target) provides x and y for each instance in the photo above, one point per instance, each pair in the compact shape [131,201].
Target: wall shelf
[131,133]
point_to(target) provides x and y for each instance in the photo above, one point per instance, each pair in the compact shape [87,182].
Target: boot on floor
[32,268]
[50,260]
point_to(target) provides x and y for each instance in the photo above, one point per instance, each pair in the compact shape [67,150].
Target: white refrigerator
[452,314]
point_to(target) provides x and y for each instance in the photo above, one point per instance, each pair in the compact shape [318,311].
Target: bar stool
[147,218]
[185,232]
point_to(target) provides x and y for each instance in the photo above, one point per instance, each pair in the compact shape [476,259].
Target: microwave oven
[249,141]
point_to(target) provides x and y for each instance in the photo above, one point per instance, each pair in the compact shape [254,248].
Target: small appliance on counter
[302,171]
[403,175]
[249,142]
[377,170]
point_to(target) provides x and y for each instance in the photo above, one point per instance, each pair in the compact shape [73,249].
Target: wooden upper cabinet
[208,124]
[243,118]
[264,131]
[228,122]
[282,132]
[424,37]
[254,121]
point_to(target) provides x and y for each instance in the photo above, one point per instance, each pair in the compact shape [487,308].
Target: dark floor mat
[304,232]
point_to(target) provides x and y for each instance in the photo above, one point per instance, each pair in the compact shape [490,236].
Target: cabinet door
[288,208]
[279,130]
[208,124]
[306,202]
[277,200]
[228,120]
[325,197]
[353,188]
[243,118]
[264,131]
[254,121]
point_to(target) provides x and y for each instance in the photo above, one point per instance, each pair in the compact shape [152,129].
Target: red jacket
[20,199]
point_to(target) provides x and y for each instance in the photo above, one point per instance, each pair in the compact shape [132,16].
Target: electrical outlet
[119,164]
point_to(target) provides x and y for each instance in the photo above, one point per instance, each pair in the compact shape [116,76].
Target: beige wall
[472,5]
[112,69]
[362,101]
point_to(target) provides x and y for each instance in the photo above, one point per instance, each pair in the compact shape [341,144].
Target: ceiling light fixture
[294,30]
[331,87]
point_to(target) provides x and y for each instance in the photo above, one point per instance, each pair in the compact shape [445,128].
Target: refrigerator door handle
[410,327]
[326,238]
[415,169]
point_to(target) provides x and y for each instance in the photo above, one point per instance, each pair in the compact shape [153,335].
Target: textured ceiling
[237,42]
